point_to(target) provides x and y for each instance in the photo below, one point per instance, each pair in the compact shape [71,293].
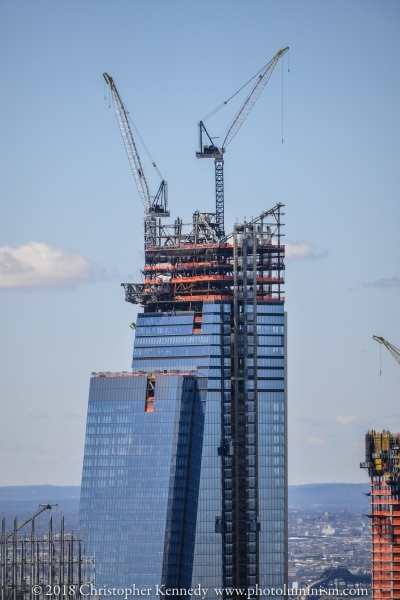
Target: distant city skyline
[72,220]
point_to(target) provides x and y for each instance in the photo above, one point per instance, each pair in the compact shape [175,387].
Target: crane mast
[395,352]
[154,206]
[210,150]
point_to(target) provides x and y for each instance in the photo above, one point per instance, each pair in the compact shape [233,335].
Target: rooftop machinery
[217,152]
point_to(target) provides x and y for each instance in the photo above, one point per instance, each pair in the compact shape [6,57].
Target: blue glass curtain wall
[152,493]
[140,477]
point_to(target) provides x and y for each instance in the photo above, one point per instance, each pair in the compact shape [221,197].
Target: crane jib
[395,352]
[211,150]
[158,205]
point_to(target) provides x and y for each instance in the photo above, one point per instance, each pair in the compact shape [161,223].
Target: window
[151,385]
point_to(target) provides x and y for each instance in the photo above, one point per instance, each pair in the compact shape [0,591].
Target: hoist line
[142,140]
[282,101]
[235,94]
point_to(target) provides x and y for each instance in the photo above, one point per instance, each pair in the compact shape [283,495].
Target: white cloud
[358,446]
[36,265]
[346,419]
[392,282]
[70,415]
[302,250]
[315,441]
[37,415]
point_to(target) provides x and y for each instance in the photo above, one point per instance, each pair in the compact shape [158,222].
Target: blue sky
[71,211]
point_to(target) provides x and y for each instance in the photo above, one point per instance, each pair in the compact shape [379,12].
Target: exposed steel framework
[184,269]
[382,464]
[38,565]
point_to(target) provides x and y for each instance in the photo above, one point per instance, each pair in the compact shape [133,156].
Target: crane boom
[395,352]
[42,507]
[251,99]
[127,137]
[153,206]
[217,152]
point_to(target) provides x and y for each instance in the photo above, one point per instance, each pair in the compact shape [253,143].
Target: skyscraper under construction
[185,478]
[382,463]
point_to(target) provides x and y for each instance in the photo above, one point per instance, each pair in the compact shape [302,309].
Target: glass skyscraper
[184,477]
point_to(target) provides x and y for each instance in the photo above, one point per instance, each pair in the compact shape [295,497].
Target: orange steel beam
[211,278]
[189,247]
[211,296]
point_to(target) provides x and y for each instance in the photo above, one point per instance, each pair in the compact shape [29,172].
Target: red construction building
[382,464]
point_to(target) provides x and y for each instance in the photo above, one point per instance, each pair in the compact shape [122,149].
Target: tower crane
[217,151]
[42,507]
[395,352]
[154,206]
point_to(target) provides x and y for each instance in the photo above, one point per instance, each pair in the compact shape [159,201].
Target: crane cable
[282,101]
[210,114]
[288,68]
[139,136]
[145,147]
[233,95]
[395,352]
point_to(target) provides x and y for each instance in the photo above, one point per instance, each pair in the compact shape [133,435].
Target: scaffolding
[382,464]
[42,565]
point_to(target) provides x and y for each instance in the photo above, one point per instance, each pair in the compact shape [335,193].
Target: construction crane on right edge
[395,352]
[213,151]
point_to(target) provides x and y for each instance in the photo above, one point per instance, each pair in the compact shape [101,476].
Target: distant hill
[329,496]
[22,501]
